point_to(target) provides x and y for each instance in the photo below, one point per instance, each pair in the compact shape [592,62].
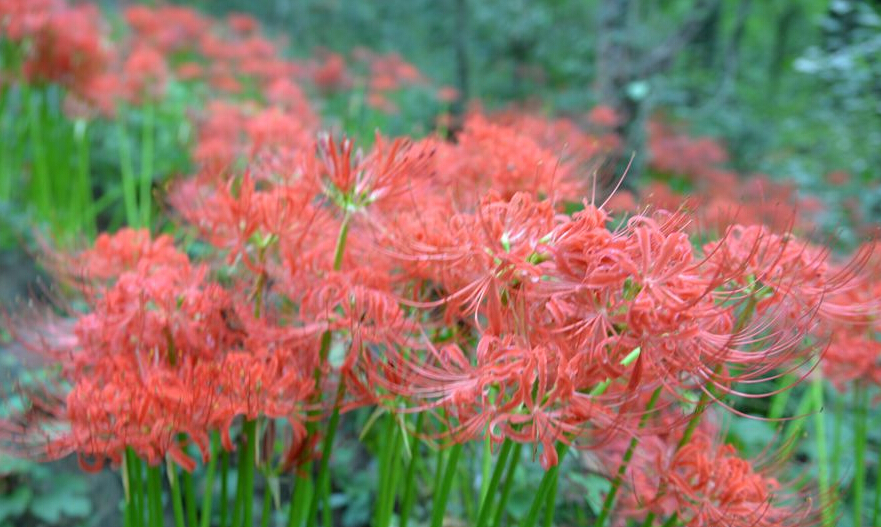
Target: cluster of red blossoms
[393,278]
[71,46]
[685,167]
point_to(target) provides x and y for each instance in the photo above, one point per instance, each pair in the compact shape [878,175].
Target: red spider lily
[683,155]
[242,24]
[144,75]
[65,44]
[604,116]
[331,73]
[706,484]
[355,181]
[850,359]
[170,28]
[491,156]
[157,356]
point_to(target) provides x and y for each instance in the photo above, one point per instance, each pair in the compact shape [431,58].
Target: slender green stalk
[267,508]
[190,499]
[779,401]
[154,496]
[6,147]
[876,506]
[322,487]
[550,505]
[860,403]
[84,179]
[671,521]
[486,503]
[442,491]
[509,484]
[545,487]
[485,467]
[224,488]
[324,464]
[302,496]
[42,182]
[243,514]
[837,418]
[410,478]
[176,500]
[797,426]
[609,502]
[385,502]
[822,454]
[147,137]
[133,475]
[382,469]
[341,243]
[649,519]
[326,512]
[127,172]
[207,497]
[465,491]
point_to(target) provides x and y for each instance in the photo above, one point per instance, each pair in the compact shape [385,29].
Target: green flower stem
[154,496]
[822,453]
[780,400]
[465,486]
[485,467]
[609,502]
[389,455]
[322,487]
[837,418]
[545,487]
[341,243]
[205,519]
[84,179]
[649,519]
[224,489]
[6,148]
[243,513]
[326,512]
[671,521]
[324,463]
[410,478]
[40,156]
[550,505]
[302,496]
[796,426]
[509,484]
[861,431]
[176,500]
[382,469]
[493,483]
[876,507]
[442,491]
[267,508]
[146,180]
[127,172]
[190,498]
[133,475]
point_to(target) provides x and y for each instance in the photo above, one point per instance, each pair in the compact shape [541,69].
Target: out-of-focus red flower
[145,73]
[242,24]
[447,94]
[332,73]
[603,116]
[66,44]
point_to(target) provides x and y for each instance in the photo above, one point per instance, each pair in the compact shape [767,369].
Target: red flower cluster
[424,276]
[61,44]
